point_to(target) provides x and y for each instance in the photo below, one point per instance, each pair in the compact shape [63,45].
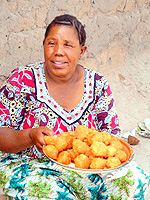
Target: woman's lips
[59,63]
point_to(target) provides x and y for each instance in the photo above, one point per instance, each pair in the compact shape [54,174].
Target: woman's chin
[61,73]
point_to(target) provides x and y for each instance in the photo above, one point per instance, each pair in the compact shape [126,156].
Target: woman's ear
[83,50]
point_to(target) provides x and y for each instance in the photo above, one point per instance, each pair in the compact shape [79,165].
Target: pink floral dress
[26,103]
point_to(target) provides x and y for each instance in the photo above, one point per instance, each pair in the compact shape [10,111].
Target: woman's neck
[78,74]
[67,92]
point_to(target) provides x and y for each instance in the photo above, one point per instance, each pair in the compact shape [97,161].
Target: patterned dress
[26,103]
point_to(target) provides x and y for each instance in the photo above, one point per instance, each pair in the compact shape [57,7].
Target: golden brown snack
[69,136]
[97,146]
[69,133]
[98,163]
[50,139]
[116,143]
[64,157]
[88,151]
[90,137]
[121,155]
[113,162]
[111,151]
[61,143]
[81,132]
[86,141]
[80,147]
[91,157]
[99,149]
[94,136]
[51,151]
[91,129]
[106,138]
[82,161]
[97,137]
[73,155]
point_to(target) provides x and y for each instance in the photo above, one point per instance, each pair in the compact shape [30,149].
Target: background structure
[118,41]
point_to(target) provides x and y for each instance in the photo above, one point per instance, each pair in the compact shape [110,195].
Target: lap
[30,178]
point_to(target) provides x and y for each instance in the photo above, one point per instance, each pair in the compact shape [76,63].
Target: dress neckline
[43,95]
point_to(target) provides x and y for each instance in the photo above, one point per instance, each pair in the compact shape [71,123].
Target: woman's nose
[59,50]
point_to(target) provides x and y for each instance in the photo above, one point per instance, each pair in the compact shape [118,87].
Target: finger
[40,147]
[42,142]
[48,131]
[40,150]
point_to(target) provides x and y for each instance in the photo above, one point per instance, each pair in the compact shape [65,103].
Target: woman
[48,98]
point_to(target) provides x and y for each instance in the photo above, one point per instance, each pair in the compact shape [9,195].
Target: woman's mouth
[59,63]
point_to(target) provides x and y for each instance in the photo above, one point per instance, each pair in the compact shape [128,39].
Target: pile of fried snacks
[86,148]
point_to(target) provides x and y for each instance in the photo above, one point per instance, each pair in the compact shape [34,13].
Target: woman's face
[62,51]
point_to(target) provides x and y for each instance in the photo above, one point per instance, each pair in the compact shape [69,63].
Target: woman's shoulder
[97,75]
[28,67]
[25,70]
[24,75]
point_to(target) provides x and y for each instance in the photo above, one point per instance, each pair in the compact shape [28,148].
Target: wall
[118,41]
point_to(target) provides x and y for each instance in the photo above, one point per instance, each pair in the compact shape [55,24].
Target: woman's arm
[13,141]
[107,117]
[12,109]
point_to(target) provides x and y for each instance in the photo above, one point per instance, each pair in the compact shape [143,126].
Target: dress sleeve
[12,105]
[107,117]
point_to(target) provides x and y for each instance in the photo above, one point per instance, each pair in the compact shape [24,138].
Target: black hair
[68,20]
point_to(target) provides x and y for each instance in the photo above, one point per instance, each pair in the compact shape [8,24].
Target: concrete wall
[118,41]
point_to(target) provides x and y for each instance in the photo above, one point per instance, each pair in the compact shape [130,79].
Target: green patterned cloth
[25,178]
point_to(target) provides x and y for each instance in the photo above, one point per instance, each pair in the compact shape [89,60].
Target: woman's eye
[68,45]
[51,43]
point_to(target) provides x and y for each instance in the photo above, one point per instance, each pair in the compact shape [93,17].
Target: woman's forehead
[63,31]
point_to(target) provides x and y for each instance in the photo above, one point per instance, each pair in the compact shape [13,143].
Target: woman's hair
[68,20]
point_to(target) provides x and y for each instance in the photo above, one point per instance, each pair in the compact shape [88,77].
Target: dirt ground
[142,155]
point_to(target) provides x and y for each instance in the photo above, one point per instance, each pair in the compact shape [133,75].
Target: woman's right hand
[37,136]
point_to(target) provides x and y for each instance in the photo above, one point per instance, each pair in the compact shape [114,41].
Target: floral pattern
[25,103]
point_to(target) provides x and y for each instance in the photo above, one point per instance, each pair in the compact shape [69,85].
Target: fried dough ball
[86,148]
[91,157]
[49,139]
[106,137]
[81,132]
[88,151]
[82,161]
[64,157]
[121,155]
[69,136]
[97,137]
[73,155]
[51,151]
[80,147]
[116,143]
[111,151]
[91,129]
[98,163]
[61,143]
[66,134]
[94,136]
[113,162]
[90,137]
[86,141]
[99,149]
